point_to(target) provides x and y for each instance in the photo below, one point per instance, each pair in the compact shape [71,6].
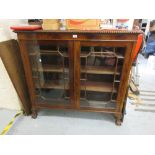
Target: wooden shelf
[88,69]
[88,86]
[48,52]
[98,70]
[51,68]
[53,85]
[82,55]
[97,86]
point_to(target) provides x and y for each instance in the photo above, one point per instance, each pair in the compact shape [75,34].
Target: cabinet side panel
[10,54]
[27,69]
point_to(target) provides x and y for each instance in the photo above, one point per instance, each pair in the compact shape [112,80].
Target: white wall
[8,95]
[5,31]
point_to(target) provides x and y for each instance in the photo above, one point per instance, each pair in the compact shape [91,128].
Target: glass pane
[50,71]
[100,75]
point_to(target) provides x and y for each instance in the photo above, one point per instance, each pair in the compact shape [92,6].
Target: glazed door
[100,73]
[50,63]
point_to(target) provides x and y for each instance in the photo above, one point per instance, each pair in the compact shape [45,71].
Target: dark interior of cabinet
[100,73]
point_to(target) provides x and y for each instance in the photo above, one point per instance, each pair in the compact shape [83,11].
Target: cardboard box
[50,24]
[83,24]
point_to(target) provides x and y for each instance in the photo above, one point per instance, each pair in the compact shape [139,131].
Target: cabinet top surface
[84,31]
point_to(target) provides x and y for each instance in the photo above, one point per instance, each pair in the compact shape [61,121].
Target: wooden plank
[145,110]
[50,68]
[97,86]
[98,70]
[28,71]
[88,69]
[53,85]
[10,55]
[133,87]
[88,86]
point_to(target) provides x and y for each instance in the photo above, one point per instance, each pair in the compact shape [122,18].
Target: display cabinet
[82,70]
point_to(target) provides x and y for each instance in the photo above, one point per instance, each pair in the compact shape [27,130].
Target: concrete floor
[5,116]
[72,122]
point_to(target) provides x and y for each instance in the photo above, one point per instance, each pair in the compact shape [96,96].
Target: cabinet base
[118,117]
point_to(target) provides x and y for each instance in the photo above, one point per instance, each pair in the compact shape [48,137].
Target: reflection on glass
[50,71]
[100,76]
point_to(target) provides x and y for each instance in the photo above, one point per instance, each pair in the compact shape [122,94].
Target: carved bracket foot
[34,114]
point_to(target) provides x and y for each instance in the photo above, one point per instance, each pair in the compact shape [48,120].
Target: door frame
[129,49]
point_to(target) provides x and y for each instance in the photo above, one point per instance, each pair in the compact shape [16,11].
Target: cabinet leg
[34,114]
[118,120]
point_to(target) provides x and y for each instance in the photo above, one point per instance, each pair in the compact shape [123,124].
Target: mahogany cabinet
[80,70]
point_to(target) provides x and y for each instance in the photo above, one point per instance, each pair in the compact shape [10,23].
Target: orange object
[83,24]
[138,45]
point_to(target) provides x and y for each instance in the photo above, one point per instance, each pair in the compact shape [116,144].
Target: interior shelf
[88,86]
[53,85]
[48,52]
[88,69]
[97,86]
[82,55]
[98,70]
[50,68]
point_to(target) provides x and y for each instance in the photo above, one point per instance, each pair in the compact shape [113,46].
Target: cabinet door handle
[75,36]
